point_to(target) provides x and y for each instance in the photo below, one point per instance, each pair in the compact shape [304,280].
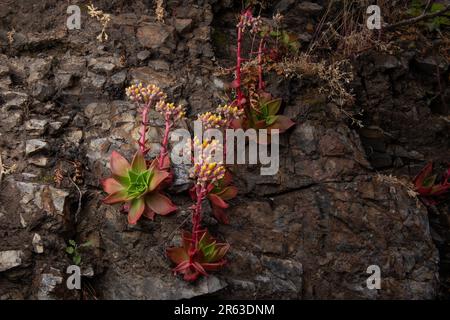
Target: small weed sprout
[73,250]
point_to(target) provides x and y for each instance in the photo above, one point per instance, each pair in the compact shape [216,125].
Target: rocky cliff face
[308,232]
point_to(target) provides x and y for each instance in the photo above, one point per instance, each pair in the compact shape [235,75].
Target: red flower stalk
[200,252]
[218,193]
[261,84]
[171,114]
[145,97]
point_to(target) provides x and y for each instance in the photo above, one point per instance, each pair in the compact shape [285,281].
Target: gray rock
[119,77]
[103,64]
[10,259]
[159,65]
[48,284]
[149,287]
[309,7]
[181,180]
[4,70]
[33,146]
[155,35]
[15,99]
[36,127]
[284,5]
[39,69]
[143,55]
[38,246]
[183,25]
[148,75]
[39,161]
[42,90]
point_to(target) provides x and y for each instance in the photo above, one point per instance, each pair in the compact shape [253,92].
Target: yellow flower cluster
[211,120]
[206,170]
[140,94]
[170,110]
[229,112]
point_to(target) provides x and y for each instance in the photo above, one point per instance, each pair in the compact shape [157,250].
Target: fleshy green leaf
[136,210]
[70,250]
[273,106]
[77,259]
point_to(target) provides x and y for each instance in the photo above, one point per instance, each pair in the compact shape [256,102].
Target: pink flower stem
[261,84]
[163,152]
[200,192]
[143,131]
[239,62]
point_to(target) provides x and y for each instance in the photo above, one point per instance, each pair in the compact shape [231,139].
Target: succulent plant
[193,261]
[137,185]
[427,188]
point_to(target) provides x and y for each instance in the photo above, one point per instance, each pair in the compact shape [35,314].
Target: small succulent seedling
[73,250]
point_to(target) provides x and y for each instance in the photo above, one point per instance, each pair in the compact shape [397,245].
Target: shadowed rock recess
[309,232]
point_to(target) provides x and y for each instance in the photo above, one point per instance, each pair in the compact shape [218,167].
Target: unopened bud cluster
[211,120]
[144,94]
[205,169]
[170,110]
[230,112]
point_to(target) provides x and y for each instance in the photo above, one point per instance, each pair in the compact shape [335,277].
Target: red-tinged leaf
[210,187]
[191,275]
[439,189]
[213,266]
[217,201]
[273,106]
[236,124]
[193,194]
[166,163]
[222,249]
[423,174]
[242,102]
[220,214]
[199,268]
[228,193]
[282,123]
[159,204]
[119,165]
[117,197]
[111,185]
[234,84]
[227,179]
[149,213]
[136,210]
[138,164]
[158,177]
[177,255]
